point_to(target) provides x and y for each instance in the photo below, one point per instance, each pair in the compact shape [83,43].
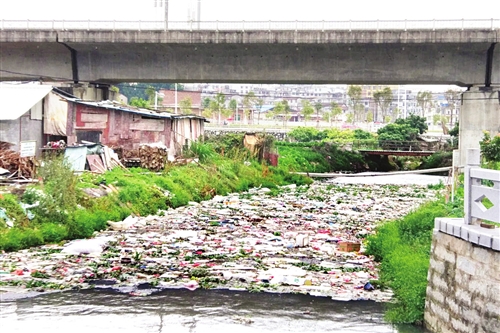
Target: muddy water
[185,311]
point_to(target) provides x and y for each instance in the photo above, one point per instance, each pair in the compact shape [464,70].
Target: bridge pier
[480,112]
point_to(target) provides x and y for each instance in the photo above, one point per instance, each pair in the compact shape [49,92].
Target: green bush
[14,212]
[53,233]
[359,134]
[306,134]
[403,248]
[437,160]
[490,147]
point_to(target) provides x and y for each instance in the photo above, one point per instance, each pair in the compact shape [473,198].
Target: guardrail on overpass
[460,24]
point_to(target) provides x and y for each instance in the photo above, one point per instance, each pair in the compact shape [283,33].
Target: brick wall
[463,291]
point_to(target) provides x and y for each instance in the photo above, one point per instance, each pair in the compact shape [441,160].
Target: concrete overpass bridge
[460,52]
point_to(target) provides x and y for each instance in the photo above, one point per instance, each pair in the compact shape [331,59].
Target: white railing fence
[476,191]
[54,25]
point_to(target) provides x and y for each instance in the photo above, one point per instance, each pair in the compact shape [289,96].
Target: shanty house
[126,127]
[21,115]
[43,113]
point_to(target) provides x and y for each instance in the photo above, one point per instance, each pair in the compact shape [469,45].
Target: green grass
[403,248]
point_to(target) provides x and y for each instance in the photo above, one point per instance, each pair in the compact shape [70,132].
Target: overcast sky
[256,10]
[251,10]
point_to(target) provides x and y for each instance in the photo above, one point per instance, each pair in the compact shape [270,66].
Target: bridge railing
[480,184]
[460,24]
[395,145]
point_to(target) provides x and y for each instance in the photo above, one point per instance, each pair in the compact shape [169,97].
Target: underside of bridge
[464,58]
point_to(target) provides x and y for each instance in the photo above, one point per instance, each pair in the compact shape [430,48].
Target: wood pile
[153,158]
[130,157]
[110,159]
[20,167]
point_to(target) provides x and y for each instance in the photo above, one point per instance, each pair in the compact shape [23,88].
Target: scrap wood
[153,158]
[95,163]
[11,161]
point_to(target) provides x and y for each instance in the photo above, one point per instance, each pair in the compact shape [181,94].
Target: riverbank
[294,242]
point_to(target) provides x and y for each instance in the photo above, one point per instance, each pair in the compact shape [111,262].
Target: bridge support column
[480,112]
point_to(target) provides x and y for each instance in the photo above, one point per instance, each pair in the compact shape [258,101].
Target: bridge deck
[397,152]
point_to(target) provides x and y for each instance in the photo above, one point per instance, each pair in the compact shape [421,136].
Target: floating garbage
[308,239]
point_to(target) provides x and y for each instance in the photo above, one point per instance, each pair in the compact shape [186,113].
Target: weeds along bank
[403,248]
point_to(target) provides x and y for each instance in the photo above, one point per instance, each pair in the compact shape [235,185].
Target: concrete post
[473,161]
[454,172]
[480,111]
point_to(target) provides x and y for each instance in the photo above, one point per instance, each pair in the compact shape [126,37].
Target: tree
[452,97]
[151,92]
[336,110]
[317,106]
[383,99]
[307,110]
[424,100]
[248,102]
[205,102]
[260,104]
[277,110]
[369,117]
[135,89]
[218,106]
[207,113]
[402,130]
[286,112]
[354,93]
[395,114]
[436,118]
[185,105]
[416,122]
[233,106]
[139,102]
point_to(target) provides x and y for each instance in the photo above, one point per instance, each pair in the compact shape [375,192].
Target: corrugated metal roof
[117,106]
[145,112]
[16,100]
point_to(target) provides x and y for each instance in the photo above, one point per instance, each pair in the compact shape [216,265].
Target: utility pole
[199,13]
[166,14]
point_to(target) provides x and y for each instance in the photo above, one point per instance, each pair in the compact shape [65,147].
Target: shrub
[437,160]
[53,233]
[490,147]
[403,247]
[306,134]
[204,151]
[13,210]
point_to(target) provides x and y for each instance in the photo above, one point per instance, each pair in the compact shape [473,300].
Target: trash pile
[308,239]
[11,163]
[93,157]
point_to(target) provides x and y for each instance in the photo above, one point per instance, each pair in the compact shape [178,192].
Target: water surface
[207,311]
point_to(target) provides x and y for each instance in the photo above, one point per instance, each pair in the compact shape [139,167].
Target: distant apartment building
[172,101]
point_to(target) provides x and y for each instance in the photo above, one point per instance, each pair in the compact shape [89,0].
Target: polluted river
[250,262]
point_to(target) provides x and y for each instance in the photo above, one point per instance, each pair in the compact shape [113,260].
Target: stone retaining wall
[463,291]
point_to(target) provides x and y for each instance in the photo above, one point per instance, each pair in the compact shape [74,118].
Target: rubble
[251,241]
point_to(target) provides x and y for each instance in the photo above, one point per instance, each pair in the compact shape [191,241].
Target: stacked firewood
[153,158]
[130,158]
[20,167]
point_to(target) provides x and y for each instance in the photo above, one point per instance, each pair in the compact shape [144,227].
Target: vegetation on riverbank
[403,246]
[403,249]
[63,211]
